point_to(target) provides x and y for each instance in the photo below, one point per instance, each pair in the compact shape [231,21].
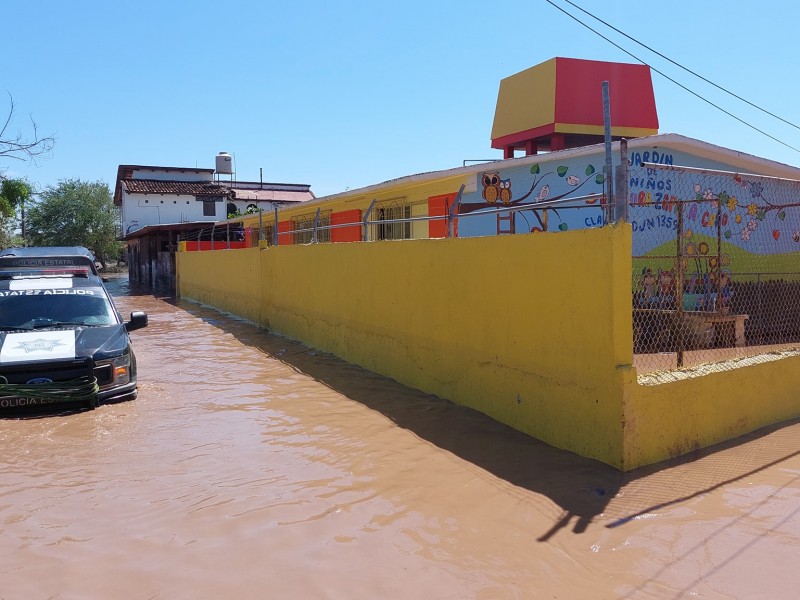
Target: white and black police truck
[62,340]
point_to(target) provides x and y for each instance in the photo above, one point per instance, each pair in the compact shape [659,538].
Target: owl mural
[491,187]
[505,191]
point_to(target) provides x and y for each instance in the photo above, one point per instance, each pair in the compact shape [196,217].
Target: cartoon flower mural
[732,203]
[752,209]
[756,189]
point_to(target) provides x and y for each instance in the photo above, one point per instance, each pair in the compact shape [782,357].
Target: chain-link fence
[716,266]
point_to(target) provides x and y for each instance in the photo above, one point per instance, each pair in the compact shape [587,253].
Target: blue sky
[345,94]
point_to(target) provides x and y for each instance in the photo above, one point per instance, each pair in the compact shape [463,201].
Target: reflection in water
[253,467]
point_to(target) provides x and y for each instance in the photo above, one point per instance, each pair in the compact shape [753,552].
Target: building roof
[742,162]
[267,195]
[181,188]
[149,229]
[130,168]
[255,191]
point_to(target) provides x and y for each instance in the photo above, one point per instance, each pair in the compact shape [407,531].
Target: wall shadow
[583,488]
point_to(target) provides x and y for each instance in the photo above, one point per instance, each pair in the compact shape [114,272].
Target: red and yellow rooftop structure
[558,104]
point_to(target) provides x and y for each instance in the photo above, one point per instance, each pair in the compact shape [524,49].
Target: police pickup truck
[62,340]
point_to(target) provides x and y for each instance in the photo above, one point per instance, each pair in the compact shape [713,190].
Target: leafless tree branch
[19,147]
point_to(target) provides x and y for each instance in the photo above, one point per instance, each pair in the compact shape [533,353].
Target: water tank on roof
[224,164]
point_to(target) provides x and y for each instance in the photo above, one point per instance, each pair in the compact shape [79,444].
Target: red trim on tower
[518,139]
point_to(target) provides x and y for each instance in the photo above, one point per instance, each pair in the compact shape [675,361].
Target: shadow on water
[472,436]
[584,489]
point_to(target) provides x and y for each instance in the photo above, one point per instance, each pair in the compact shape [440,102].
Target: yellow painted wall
[229,280]
[494,323]
[533,330]
[672,419]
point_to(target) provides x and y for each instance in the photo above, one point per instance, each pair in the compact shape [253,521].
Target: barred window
[390,224]
[306,222]
[268,233]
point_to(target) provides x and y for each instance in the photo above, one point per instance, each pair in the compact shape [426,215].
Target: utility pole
[609,178]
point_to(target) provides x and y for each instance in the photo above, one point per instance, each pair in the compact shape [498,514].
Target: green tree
[76,213]
[13,195]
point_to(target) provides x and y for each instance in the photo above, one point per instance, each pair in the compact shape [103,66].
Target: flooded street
[253,467]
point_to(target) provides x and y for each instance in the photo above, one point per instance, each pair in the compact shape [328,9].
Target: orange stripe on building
[346,234]
[439,206]
[284,238]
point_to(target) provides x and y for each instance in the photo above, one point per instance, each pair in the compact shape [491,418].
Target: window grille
[385,214]
[306,223]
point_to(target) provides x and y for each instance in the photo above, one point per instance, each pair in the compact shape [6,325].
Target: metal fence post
[365,221]
[679,319]
[275,229]
[609,172]
[623,206]
[453,210]
[314,236]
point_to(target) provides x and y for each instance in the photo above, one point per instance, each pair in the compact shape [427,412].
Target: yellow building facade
[534,330]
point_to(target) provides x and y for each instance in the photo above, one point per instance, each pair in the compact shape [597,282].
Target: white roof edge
[692,145]
[720,153]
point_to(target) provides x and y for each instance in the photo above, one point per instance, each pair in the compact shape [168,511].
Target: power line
[688,70]
[706,100]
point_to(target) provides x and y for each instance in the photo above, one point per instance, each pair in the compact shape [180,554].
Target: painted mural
[758,214]
[525,188]
[754,216]
[735,239]
[722,247]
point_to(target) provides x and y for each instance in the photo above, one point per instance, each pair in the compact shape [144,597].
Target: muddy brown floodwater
[253,467]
